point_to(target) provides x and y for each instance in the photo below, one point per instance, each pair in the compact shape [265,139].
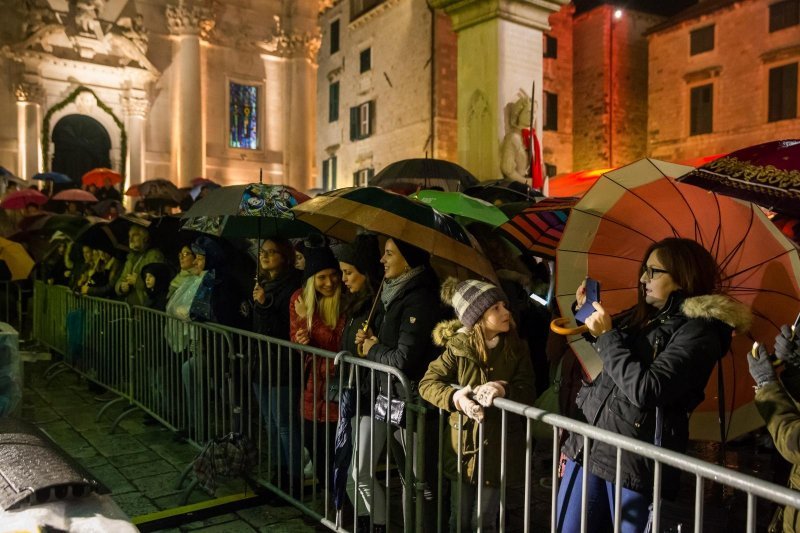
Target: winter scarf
[392,287]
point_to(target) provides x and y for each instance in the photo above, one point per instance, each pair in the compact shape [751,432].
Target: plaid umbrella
[767,174]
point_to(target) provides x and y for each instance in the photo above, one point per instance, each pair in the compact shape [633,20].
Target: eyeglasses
[650,272]
[185,254]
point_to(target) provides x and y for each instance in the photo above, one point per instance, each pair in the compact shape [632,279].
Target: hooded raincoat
[460,364]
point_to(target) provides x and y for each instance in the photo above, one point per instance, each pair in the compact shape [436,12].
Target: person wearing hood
[130,285]
[156,281]
[408,310]
[657,359]
[186,264]
[278,379]
[315,319]
[213,301]
[778,403]
[483,355]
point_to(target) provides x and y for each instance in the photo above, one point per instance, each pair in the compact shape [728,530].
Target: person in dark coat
[156,280]
[279,369]
[657,358]
[401,338]
[362,274]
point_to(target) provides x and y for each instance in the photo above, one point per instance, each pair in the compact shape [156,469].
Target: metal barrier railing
[208,380]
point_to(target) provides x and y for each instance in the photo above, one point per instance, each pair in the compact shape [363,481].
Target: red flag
[537,176]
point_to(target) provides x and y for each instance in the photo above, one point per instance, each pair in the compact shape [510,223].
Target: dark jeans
[600,504]
[279,408]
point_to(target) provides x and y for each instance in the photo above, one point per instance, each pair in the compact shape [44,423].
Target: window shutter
[371,117]
[354,121]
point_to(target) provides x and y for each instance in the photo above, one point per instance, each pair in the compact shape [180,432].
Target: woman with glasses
[277,368]
[657,358]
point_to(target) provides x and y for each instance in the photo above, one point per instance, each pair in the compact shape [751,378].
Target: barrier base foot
[105,408]
[122,415]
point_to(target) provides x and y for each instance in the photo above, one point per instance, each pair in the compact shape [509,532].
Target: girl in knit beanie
[483,355]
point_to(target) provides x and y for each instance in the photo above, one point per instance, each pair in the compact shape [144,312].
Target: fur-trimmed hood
[719,306]
[446,330]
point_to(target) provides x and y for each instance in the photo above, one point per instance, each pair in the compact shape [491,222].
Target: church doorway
[81,143]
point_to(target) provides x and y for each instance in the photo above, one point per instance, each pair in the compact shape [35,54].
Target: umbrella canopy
[49,223]
[10,177]
[343,212]
[74,195]
[628,209]
[416,174]
[463,206]
[157,189]
[100,236]
[254,210]
[767,174]
[537,227]
[16,258]
[20,199]
[102,207]
[200,181]
[55,177]
[99,177]
[503,191]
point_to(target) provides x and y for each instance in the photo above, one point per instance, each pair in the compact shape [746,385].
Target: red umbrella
[75,195]
[100,176]
[21,199]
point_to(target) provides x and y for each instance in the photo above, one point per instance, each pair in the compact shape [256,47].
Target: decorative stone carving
[35,17]
[293,44]
[190,20]
[86,102]
[135,107]
[29,92]
[133,29]
[86,16]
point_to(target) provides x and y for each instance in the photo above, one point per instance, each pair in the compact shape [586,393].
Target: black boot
[362,524]
[379,528]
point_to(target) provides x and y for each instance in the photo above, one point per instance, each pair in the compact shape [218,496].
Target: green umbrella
[462,206]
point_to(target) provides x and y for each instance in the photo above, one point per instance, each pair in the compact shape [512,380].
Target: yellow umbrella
[17,259]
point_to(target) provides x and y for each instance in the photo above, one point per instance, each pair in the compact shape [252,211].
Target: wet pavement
[140,463]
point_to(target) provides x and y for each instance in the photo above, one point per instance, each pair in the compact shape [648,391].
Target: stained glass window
[244,116]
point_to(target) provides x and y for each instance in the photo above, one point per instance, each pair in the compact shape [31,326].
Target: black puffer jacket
[666,364]
[404,328]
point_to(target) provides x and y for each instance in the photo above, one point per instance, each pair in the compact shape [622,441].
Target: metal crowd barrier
[208,380]
[13,305]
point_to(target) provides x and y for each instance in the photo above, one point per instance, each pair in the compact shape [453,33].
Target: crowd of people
[381,299]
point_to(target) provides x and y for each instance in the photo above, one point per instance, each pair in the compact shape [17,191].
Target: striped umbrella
[537,227]
[341,213]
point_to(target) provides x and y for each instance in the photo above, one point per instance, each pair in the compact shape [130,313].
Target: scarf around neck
[392,287]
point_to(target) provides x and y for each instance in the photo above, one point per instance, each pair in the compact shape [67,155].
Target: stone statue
[133,29]
[35,17]
[87,16]
[515,161]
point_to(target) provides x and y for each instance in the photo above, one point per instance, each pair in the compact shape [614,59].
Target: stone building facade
[387,88]
[161,88]
[723,75]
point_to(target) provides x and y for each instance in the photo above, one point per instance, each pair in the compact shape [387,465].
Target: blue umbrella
[55,177]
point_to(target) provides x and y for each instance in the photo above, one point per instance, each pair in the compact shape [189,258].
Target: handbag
[548,401]
[394,411]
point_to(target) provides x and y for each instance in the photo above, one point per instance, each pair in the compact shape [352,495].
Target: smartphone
[592,295]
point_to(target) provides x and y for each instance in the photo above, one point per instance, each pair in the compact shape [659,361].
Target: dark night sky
[658,7]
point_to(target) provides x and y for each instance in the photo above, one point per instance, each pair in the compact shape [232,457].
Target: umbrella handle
[559,326]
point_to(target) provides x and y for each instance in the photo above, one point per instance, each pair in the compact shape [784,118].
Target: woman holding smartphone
[657,358]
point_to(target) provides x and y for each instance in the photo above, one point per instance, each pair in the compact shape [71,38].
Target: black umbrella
[503,191]
[410,175]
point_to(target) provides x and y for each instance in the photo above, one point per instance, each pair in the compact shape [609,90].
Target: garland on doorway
[123,142]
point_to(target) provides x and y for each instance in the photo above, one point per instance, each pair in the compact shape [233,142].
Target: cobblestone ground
[140,463]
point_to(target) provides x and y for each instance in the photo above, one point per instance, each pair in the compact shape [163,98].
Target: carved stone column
[189,25]
[499,53]
[135,116]
[29,98]
[290,65]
